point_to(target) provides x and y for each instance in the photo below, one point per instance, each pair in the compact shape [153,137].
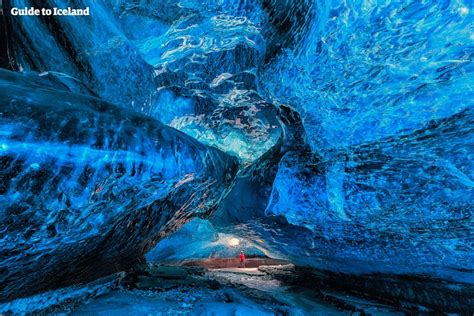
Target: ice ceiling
[337,134]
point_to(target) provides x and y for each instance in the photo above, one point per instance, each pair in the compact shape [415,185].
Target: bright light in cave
[234,242]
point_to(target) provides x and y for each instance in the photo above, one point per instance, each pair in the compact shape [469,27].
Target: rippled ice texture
[385,91]
[379,179]
[366,70]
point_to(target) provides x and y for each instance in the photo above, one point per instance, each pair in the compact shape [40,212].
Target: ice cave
[237,157]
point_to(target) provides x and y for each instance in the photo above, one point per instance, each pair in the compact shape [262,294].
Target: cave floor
[225,291]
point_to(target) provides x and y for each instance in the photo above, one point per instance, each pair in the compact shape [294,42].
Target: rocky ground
[157,289]
[174,290]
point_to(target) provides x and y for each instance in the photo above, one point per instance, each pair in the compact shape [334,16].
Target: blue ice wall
[352,123]
[87,187]
[366,70]
[191,65]
[202,241]
[384,89]
[401,205]
[205,69]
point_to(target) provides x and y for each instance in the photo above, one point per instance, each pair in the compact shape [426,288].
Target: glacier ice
[88,187]
[206,79]
[366,70]
[91,49]
[179,64]
[387,204]
[202,241]
[334,134]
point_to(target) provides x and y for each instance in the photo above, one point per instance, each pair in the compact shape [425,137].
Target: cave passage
[145,145]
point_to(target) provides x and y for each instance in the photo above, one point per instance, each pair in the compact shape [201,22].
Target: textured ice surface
[405,202]
[202,240]
[191,65]
[384,90]
[365,70]
[352,120]
[206,77]
[87,187]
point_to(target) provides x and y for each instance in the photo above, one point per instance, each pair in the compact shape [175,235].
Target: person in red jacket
[242,259]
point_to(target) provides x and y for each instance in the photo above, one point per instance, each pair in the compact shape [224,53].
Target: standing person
[242,259]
